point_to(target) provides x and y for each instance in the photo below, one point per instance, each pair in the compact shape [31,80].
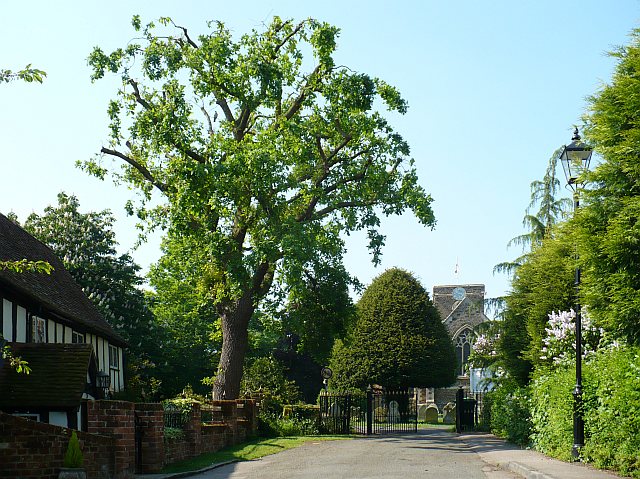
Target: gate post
[369,410]
[459,406]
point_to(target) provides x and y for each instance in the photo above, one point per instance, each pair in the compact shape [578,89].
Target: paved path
[431,453]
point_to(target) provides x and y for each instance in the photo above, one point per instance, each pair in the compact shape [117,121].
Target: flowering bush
[559,344]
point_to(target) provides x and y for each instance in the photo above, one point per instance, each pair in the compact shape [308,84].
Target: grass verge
[253,449]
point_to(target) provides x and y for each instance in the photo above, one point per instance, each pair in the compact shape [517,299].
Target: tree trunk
[235,339]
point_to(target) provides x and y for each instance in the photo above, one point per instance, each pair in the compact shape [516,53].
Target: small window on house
[26,415]
[113,357]
[39,334]
[77,338]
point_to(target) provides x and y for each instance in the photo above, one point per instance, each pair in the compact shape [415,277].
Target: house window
[463,348]
[39,331]
[113,357]
[77,338]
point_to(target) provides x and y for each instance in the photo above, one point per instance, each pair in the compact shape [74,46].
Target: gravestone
[334,410]
[422,410]
[394,412]
[449,412]
[431,414]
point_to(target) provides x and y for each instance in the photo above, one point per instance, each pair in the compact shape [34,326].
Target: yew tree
[263,150]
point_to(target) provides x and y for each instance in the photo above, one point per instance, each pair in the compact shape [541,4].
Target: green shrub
[270,425]
[612,410]
[73,457]
[509,412]
[552,411]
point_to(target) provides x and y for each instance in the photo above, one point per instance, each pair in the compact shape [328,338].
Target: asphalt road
[431,453]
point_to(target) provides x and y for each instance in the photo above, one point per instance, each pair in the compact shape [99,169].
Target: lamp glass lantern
[575,159]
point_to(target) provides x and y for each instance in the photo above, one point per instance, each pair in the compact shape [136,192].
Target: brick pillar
[115,419]
[193,430]
[150,418]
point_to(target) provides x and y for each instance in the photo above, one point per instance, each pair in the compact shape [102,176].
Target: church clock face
[458,294]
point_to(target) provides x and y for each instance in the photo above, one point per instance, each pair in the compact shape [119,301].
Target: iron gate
[376,411]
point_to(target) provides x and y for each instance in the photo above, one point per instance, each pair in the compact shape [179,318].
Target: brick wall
[149,419]
[35,450]
[233,422]
[115,419]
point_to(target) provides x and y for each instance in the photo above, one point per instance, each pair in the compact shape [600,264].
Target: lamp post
[575,160]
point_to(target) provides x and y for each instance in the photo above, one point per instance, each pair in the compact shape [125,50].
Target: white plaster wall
[51,331]
[21,325]
[7,320]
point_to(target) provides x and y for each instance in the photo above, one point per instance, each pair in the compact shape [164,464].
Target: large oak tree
[264,150]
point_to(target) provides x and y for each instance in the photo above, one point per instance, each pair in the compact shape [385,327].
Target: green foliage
[24,266]
[27,74]
[73,457]
[86,244]
[552,411]
[543,283]
[612,410]
[509,412]
[265,379]
[181,307]
[551,210]
[319,310]
[173,434]
[609,230]
[398,339]
[271,425]
[262,163]
[16,362]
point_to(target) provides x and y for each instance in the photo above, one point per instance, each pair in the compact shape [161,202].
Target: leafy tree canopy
[86,244]
[398,339]
[264,151]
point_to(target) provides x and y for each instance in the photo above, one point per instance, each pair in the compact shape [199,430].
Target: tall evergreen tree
[609,219]
[398,339]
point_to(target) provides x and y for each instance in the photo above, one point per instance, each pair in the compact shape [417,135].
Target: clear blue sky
[494,88]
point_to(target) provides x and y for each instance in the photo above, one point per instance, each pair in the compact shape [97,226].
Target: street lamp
[575,160]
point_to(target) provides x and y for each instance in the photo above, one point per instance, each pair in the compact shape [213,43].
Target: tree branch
[139,167]
[186,35]
[343,204]
[304,92]
[208,117]
[288,37]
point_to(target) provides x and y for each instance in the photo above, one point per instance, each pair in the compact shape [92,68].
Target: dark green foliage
[398,339]
[319,309]
[510,417]
[609,223]
[73,457]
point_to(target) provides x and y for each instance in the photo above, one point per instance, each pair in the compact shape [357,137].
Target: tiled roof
[57,380]
[56,292]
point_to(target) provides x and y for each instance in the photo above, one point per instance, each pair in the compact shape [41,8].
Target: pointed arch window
[463,341]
